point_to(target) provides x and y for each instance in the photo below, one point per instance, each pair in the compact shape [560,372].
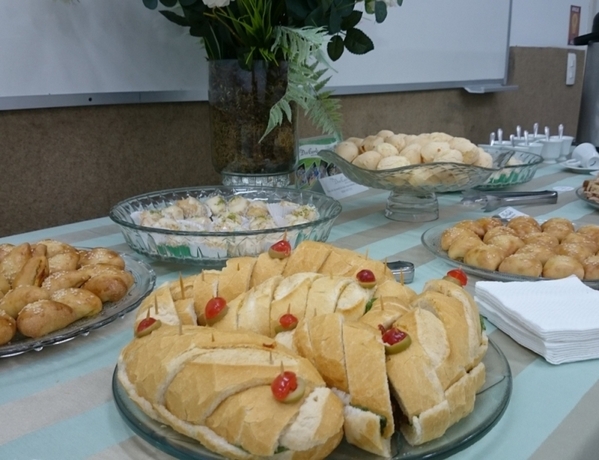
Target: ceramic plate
[491,401]
[145,279]
[573,166]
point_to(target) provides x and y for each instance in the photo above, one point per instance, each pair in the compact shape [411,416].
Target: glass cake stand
[414,188]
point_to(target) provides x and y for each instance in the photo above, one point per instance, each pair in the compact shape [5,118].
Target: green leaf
[351,20]
[334,21]
[380,11]
[369,6]
[369,305]
[168,3]
[335,47]
[174,17]
[357,42]
[152,4]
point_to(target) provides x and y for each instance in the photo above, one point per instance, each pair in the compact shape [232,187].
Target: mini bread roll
[397,140]
[460,246]
[101,256]
[370,142]
[432,150]
[412,153]
[8,327]
[578,251]
[473,225]
[560,231]
[469,151]
[44,316]
[521,264]
[355,140]
[393,162]
[14,300]
[411,139]
[591,231]
[559,221]
[493,232]
[509,244]
[519,220]
[487,223]
[384,133]
[386,150]
[560,266]
[441,137]
[367,160]
[585,240]
[484,256]
[524,229]
[347,150]
[449,156]
[539,251]
[541,238]
[450,234]
[485,160]
[591,268]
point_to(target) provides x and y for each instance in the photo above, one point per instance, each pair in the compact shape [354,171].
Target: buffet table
[57,403]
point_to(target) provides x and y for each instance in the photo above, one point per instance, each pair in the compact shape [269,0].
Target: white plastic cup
[533,147]
[566,144]
[551,151]
[586,155]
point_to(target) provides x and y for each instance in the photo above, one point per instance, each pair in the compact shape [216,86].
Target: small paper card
[314,173]
[510,213]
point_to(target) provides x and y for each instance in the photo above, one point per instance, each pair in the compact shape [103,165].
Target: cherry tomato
[147,325]
[393,336]
[459,275]
[280,250]
[366,278]
[283,385]
[288,321]
[215,309]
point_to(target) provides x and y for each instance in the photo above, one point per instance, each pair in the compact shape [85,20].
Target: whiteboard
[61,53]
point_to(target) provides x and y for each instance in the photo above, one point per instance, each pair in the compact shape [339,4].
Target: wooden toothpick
[401,278]
[181,285]
[180,328]
[270,357]
[148,312]
[366,255]
[156,303]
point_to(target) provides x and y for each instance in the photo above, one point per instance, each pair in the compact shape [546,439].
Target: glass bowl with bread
[208,225]
[519,169]
[415,168]
[521,249]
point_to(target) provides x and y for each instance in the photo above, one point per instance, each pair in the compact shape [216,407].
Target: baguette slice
[476,339]
[308,256]
[352,301]
[215,387]
[235,278]
[266,267]
[451,313]
[324,294]
[290,296]
[254,313]
[205,286]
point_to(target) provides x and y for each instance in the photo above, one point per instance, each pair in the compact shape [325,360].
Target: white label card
[510,213]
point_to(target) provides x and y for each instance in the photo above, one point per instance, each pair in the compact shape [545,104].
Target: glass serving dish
[213,248]
[581,194]
[145,278]
[413,188]
[491,402]
[431,240]
[523,169]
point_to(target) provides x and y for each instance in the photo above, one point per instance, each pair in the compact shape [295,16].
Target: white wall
[545,23]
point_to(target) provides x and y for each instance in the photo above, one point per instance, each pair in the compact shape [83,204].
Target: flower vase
[240,102]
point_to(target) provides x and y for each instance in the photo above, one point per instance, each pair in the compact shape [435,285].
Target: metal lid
[402,269]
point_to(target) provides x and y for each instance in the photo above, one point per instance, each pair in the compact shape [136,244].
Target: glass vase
[240,102]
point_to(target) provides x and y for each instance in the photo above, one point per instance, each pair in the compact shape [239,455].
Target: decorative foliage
[276,30]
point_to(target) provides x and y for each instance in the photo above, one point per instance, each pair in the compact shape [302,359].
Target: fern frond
[301,48]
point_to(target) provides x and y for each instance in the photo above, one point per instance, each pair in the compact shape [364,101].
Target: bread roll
[484,256]
[44,316]
[508,244]
[484,160]
[8,327]
[524,264]
[487,223]
[397,140]
[393,162]
[578,251]
[386,150]
[591,268]
[543,238]
[367,160]
[347,150]
[492,232]
[432,150]
[412,153]
[539,251]
[470,152]
[460,246]
[473,225]
[370,142]
[449,156]
[560,266]
[451,234]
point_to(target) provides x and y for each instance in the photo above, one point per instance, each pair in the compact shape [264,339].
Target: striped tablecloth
[57,404]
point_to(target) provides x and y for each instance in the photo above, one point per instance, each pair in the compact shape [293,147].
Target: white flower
[216,3]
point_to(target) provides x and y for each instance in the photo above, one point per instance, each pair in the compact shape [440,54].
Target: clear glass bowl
[490,404]
[212,249]
[580,193]
[413,187]
[511,175]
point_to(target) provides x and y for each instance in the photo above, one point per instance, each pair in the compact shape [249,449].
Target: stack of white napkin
[558,319]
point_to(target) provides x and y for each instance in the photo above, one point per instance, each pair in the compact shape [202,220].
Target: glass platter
[491,402]
[431,240]
[413,188]
[580,194]
[145,279]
